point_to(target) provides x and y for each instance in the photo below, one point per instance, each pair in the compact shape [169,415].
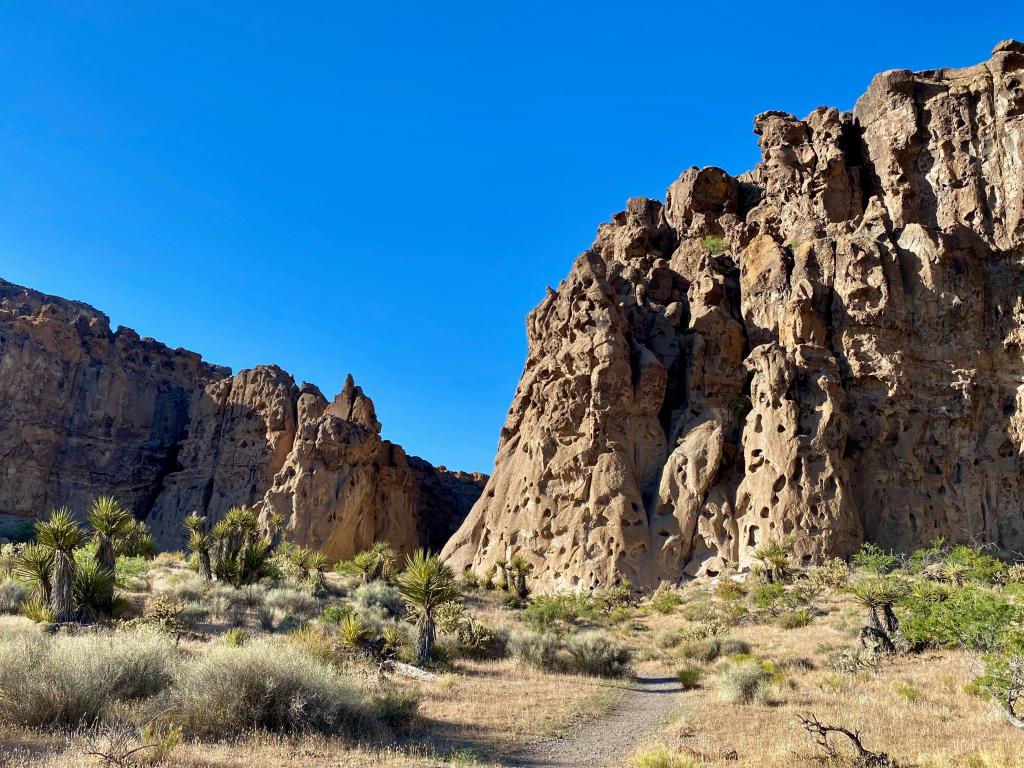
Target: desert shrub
[909,693]
[73,680]
[776,599]
[38,610]
[668,638]
[17,531]
[970,618]
[226,692]
[800,617]
[548,612]
[1003,678]
[193,613]
[689,678]
[236,637]
[745,680]
[539,649]
[135,541]
[164,614]
[1015,574]
[831,574]
[666,601]
[292,601]
[12,594]
[706,650]
[714,244]
[479,641]
[848,660]
[395,707]
[335,614]
[317,643]
[871,557]
[593,653]
[179,585]
[130,573]
[729,590]
[380,594]
[659,757]
[976,566]
[733,646]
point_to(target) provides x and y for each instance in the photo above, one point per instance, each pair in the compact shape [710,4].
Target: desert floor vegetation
[250,651]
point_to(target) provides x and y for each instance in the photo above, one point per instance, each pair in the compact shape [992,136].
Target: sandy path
[608,740]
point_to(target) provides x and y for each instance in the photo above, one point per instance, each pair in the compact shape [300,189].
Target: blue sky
[388,188]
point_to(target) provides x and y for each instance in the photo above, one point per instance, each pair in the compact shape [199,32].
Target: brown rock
[85,412]
[850,366]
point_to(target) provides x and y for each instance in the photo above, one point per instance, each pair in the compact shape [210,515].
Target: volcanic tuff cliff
[829,346]
[85,411]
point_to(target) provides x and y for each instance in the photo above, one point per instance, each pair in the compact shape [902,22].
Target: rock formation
[828,347]
[85,411]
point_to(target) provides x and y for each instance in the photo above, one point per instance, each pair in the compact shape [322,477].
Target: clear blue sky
[388,188]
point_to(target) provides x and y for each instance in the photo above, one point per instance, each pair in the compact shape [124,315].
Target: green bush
[130,573]
[689,678]
[227,692]
[593,653]
[1003,678]
[976,566]
[714,244]
[871,557]
[335,614]
[666,601]
[547,612]
[38,610]
[74,680]
[91,590]
[970,618]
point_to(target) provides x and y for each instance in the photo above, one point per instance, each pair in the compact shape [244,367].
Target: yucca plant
[35,565]
[878,595]
[502,570]
[425,584]
[62,534]
[92,590]
[135,541]
[384,560]
[774,559]
[109,520]
[317,564]
[199,543]
[518,570]
[254,562]
[353,633]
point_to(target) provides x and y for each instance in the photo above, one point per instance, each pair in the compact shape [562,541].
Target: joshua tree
[384,559]
[878,595]
[317,562]
[502,571]
[425,584]
[518,570]
[62,535]
[774,559]
[35,563]
[108,520]
[199,544]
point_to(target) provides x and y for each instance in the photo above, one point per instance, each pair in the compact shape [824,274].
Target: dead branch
[865,758]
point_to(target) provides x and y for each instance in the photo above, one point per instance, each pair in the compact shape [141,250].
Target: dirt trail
[607,741]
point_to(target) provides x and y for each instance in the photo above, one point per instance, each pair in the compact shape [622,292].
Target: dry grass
[945,728]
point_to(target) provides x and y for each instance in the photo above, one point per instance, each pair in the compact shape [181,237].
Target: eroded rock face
[86,412]
[827,347]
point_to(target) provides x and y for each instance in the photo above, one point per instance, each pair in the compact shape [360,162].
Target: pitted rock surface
[827,347]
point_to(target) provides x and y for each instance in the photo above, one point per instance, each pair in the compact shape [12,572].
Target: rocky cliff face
[828,347]
[85,411]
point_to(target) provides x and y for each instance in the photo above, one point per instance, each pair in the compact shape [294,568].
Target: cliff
[827,347]
[85,411]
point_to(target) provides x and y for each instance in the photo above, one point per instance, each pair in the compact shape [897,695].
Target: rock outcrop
[86,411]
[828,347]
